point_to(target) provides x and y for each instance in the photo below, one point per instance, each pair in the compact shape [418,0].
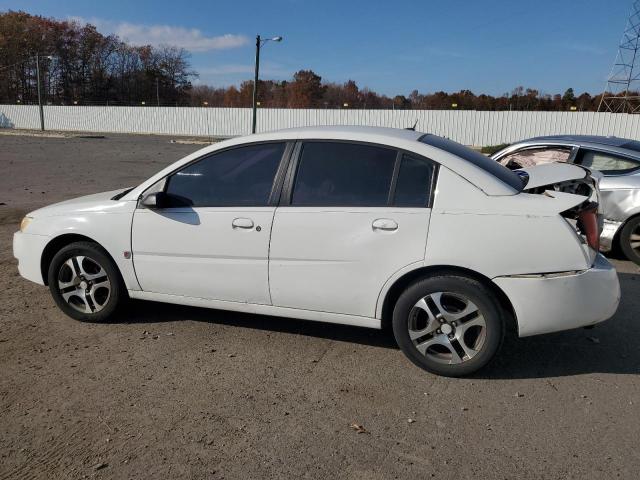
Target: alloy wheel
[84,284]
[634,239]
[447,328]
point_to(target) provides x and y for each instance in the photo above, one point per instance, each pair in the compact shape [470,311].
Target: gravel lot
[177,392]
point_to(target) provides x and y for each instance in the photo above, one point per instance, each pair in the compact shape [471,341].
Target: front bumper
[28,248]
[545,304]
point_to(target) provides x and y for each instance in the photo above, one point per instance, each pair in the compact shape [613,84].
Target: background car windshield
[490,166]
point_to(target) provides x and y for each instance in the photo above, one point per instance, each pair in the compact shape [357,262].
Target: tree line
[306,90]
[79,65]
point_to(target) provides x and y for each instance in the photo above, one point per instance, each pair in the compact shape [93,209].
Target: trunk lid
[576,190]
[551,174]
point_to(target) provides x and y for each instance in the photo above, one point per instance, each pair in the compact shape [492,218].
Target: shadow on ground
[611,347]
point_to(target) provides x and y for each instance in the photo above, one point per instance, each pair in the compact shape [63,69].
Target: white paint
[467,127]
[257,309]
[545,305]
[197,252]
[501,235]
[330,264]
[542,175]
[332,259]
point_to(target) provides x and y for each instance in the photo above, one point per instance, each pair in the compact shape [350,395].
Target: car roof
[590,140]
[340,131]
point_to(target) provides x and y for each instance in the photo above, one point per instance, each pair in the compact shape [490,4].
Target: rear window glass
[479,160]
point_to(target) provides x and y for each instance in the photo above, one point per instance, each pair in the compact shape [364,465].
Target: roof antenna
[414,126]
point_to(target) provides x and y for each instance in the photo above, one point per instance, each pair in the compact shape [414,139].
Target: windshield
[479,160]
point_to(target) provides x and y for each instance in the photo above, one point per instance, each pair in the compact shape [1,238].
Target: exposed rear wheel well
[54,247]
[403,282]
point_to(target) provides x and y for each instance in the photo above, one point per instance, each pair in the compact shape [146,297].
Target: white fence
[467,127]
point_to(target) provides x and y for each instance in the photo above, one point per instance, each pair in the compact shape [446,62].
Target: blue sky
[392,47]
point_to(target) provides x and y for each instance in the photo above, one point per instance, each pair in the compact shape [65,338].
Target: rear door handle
[245,223]
[384,224]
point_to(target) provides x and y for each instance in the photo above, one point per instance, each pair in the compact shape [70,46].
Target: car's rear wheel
[85,282]
[630,240]
[449,325]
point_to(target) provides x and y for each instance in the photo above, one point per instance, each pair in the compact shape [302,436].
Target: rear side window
[607,163]
[413,187]
[238,177]
[343,174]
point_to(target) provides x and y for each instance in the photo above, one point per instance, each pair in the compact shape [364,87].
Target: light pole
[40,90]
[37,57]
[259,43]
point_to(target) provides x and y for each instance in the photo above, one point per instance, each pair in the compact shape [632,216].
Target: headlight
[24,223]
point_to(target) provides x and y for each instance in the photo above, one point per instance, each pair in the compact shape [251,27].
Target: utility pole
[259,43]
[39,92]
[157,91]
[255,85]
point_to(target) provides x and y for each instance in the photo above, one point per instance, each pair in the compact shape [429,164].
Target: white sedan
[353,225]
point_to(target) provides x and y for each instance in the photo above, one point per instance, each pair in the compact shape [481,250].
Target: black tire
[459,292]
[97,306]
[632,227]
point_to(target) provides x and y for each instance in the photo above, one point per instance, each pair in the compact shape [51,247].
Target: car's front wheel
[630,240]
[448,324]
[85,282]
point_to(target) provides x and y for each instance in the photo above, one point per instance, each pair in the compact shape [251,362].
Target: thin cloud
[190,39]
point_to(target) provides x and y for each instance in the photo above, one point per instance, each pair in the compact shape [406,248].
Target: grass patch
[491,149]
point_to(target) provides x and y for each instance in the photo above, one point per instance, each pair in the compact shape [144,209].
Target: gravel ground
[177,392]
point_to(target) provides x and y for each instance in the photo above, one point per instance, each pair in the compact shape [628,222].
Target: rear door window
[343,174]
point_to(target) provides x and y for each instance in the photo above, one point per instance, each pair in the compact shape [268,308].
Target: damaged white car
[352,225]
[617,159]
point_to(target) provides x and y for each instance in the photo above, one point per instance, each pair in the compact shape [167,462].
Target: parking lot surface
[176,392]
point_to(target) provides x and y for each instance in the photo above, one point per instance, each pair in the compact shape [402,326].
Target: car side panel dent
[620,204]
[571,300]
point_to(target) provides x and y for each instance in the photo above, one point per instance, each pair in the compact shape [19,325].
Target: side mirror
[154,200]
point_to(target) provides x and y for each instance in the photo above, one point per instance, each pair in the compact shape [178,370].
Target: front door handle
[245,223]
[384,224]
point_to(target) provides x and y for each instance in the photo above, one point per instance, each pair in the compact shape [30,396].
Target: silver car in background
[619,161]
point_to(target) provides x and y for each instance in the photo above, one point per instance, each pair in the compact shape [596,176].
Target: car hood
[98,202]
[554,173]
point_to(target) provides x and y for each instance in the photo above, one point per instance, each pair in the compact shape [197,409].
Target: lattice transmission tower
[622,92]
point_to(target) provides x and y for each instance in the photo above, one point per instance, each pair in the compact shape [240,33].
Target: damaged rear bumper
[550,303]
